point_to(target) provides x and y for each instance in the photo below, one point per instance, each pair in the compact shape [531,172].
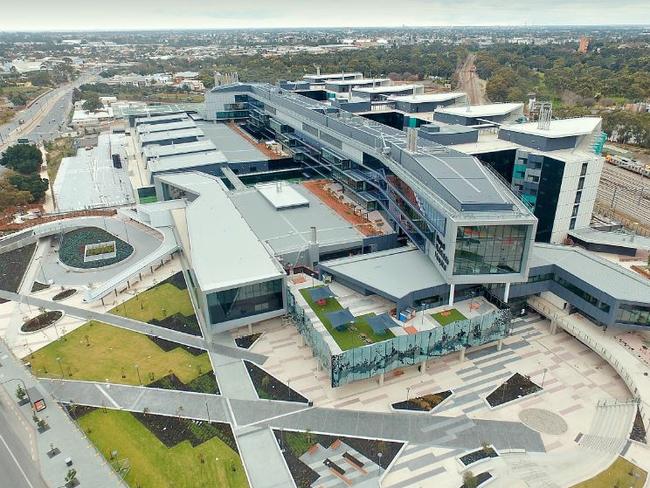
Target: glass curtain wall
[489,249]
[244,301]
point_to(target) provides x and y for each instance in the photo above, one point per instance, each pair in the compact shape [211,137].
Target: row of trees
[22,184]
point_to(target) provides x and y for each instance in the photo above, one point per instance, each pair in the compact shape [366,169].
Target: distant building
[583,47]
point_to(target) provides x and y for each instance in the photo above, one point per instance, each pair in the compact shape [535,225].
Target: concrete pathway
[92,469]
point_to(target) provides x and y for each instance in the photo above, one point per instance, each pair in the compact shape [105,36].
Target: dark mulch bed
[167,346]
[38,286]
[62,295]
[269,387]
[180,323]
[638,429]
[13,265]
[173,430]
[205,383]
[477,455]
[178,280]
[247,341]
[77,411]
[73,244]
[41,321]
[304,476]
[516,386]
[480,478]
[424,403]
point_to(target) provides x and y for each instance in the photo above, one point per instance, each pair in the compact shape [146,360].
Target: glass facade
[576,290]
[244,301]
[634,314]
[489,249]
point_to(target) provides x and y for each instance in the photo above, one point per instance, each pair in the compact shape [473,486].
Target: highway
[46,118]
[17,468]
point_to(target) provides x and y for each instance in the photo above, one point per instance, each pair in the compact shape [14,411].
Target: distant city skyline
[64,15]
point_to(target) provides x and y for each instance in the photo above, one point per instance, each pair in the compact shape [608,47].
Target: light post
[137,369]
[544,376]
[379,454]
[207,409]
[408,391]
[58,360]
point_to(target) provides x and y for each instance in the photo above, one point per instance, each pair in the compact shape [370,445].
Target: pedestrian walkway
[92,469]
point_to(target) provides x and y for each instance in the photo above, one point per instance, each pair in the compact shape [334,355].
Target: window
[331,140]
[572,224]
[583,170]
[578,197]
[542,277]
[574,212]
[244,301]
[576,290]
[633,314]
[489,249]
[581,183]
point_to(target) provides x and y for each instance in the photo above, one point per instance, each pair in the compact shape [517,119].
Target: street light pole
[58,360]
[207,409]
[138,371]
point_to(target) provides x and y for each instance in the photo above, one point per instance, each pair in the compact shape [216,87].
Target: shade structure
[340,319]
[320,293]
[379,323]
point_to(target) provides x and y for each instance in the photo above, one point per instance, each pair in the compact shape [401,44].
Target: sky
[57,15]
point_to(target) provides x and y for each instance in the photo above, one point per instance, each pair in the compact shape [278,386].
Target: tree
[469,480]
[24,158]
[20,393]
[92,103]
[18,99]
[33,183]
[10,196]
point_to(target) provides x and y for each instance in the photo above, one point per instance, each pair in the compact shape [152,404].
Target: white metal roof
[482,110]
[281,195]
[225,252]
[358,81]
[185,161]
[559,128]
[170,135]
[170,126]
[330,76]
[170,150]
[427,97]
[154,119]
[385,89]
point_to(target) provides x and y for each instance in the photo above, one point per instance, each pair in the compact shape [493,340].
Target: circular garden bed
[73,248]
[41,321]
[62,295]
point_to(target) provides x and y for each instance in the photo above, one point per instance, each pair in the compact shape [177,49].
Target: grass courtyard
[354,335]
[621,474]
[448,316]
[166,304]
[153,464]
[100,352]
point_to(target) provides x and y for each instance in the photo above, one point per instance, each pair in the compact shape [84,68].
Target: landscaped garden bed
[476,481]
[424,403]
[471,458]
[41,321]
[122,356]
[515,387]
[205,383]
[13,265]
[166,304]
[38,286]
[357,334]
[295,444]
[73,248]
[447,317]
[247,341]
[62,295]
[268,387]
[163,451]
[638,433]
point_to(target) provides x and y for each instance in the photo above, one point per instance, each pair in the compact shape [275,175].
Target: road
[470,83]
[46,118]
[18,469]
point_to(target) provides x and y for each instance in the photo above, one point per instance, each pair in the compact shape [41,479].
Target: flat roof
[185,161]
[89,180]
[289,230]
[578,126]
[427,97]
[153,110]
[281,195]
[224,251]
[154,150]
[235,147]
[170,126]
[357,81]
[153,119]
[611,238]
[481,110]
[170,135]
[385,89]
[394,273]
[330,76]
[615,280]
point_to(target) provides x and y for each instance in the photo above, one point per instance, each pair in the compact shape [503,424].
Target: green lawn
[617,476]
[350,338]
[111,356]
[158,303]
[152,464]
[446,318]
